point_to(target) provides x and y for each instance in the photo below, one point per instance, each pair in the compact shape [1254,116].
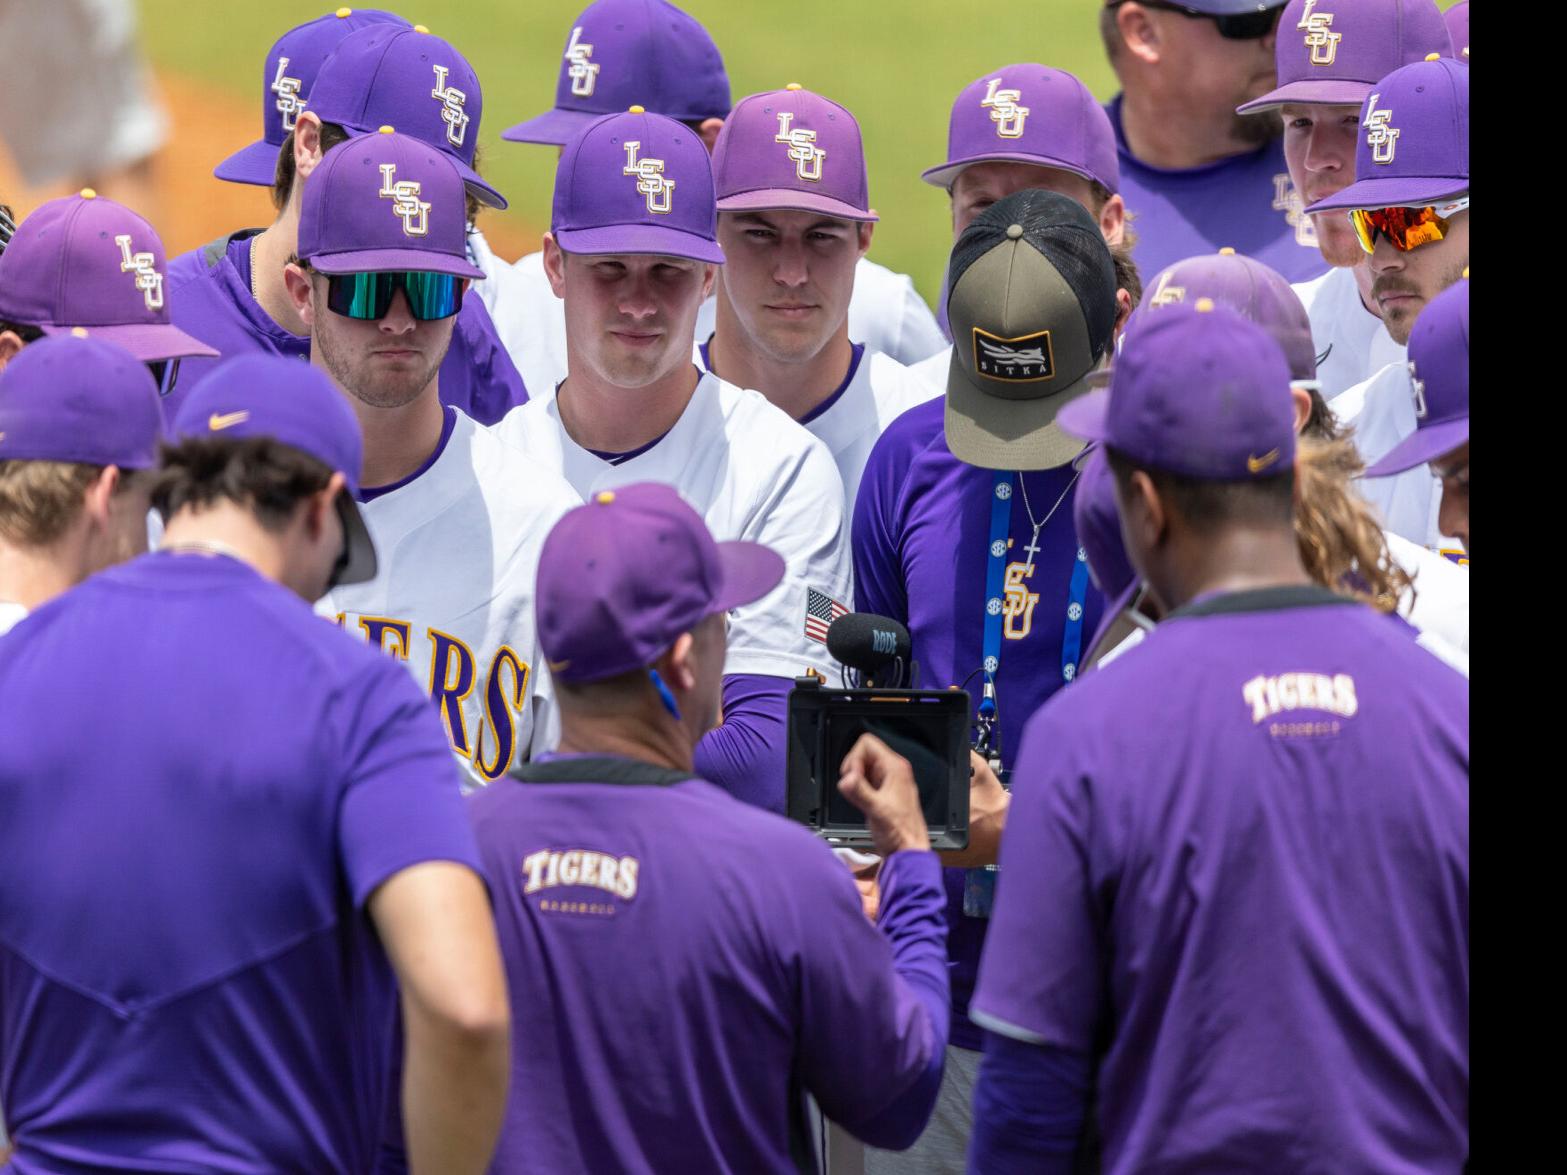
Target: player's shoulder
[878,282]
[1383,390]
[896,386]
[756,427]
[511,483]
[533,428]
[1320,289]
[914,433]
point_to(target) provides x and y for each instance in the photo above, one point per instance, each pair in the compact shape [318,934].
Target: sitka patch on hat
[1025,359]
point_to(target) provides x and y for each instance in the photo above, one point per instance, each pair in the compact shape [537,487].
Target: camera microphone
[869,644]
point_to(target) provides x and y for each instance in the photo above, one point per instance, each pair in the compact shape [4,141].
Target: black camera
[929,728]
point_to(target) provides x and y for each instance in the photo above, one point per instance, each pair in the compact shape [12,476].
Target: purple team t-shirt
[921,555]
[1239,854]
[201,784]
[683,965]
[209,296]
[1245,202]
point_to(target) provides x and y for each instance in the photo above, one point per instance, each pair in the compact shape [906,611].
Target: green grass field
[896,66]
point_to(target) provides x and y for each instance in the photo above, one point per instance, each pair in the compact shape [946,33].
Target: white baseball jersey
[1356,342]
[1441,595]
[934,369]
[458,546]
[1382,412]
[10,616]
[886,313]
[753,474]
[877,391]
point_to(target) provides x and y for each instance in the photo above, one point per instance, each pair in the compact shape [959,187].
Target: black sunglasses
[164,373]
[1240,26]
[368,296]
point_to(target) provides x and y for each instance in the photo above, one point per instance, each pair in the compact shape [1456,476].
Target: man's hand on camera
[880,783]
[987,816]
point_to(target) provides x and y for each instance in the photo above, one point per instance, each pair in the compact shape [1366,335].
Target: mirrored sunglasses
[368,296]
[1405,228]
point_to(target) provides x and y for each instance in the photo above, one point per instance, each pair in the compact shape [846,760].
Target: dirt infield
[187,205]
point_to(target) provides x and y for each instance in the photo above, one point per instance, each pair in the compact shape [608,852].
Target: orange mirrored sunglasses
[1405,228]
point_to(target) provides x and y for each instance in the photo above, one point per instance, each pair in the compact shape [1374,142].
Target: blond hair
[39,500]
[1341,542]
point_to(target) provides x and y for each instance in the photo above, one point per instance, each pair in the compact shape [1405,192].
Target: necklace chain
[255,290]
[1033,543]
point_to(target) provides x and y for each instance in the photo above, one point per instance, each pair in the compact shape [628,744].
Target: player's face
[1216,74]
[386,362]
[788,277]
[1402,283]
[630,318]
[1319,149]
[979,186]
[1453,472]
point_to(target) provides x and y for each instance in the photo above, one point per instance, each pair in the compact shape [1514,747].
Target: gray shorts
[941,1150]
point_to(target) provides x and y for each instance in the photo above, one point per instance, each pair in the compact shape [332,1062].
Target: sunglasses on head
[368,296]
[1405,228]
[164,372]
[1240,26]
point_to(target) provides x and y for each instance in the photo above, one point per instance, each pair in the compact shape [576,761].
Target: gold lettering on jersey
[503,711]
[1319,38]
[148,280]
[390,636]
[404,195]
[651,183]
[803,151]
[1381,135]
[1018,605]
[1268,696]
[1287,200]
[1005,112]
[550,868]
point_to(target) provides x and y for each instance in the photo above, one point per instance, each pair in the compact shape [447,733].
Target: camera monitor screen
[929,728]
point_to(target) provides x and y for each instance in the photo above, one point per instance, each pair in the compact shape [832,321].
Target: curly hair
[1341,542]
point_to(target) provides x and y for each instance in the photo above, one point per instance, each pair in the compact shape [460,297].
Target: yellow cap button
[1227,251]
[89,194]
[78,332]
[1466,271]
[635,110]
[342,12]
[1204,305]
[386,130]
[1433,56]
[604,498]
[794,86]
[419,28]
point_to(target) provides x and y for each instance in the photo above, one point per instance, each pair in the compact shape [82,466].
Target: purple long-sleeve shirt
[747,755]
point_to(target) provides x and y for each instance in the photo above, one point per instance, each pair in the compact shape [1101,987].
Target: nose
[399,317]
[636,299]
[790,268]
[1384,257]
[1452,517]
[1320,153]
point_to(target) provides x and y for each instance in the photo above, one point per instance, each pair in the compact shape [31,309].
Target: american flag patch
[820,611]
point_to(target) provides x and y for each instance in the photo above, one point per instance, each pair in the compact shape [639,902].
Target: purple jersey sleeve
[747,754]
[402,804]
[1029,1105]
[1041,978]
[874,1036]
[878,572]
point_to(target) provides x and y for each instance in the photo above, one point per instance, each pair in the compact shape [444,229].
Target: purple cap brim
[386,260]
[751,571]
[362,563]
[944,175]
[764,199]
[487,195]
[147,341]
[255,164]
[1394,192]
[1085,417]
[554,127]
[1328,92]
[1423,445]
[639,238]
[1111,614]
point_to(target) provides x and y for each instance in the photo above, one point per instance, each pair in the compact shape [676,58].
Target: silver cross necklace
[1033,543]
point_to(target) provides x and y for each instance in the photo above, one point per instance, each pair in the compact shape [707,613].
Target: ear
[307,143]
[709,275]
[708,132]
[320,508]
[1144,514]
[97,501]
[301,292]
[10,347]
[1302,401]
[680,673]
[1112,220]
[1123,311]
[867,231]
[555,265]
[1139,33]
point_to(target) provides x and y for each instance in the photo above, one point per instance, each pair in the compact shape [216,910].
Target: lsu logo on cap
[1025,359]
[1417,389]
[650,178]
[452,112]
[288,103]
[1381,135]
[148,280]
[1005,112]
[582,72]
[807,156]
[1164,294]
[404,195]
[1319,38]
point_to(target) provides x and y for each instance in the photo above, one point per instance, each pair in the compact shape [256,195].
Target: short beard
[1397,326]
[375,395]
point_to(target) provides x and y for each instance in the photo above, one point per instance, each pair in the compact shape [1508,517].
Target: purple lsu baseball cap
[1438,381]
[1332,52]
[622,576]
[257,395]
[286,77]
[624,53]
[1247,286]
[85,261]
[1457,19]
[388,75]
[1029,114]
[1198,391]
[792,149]
[382,202]
[1099,525]
[1414,140]
[79,399]
[636,183]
